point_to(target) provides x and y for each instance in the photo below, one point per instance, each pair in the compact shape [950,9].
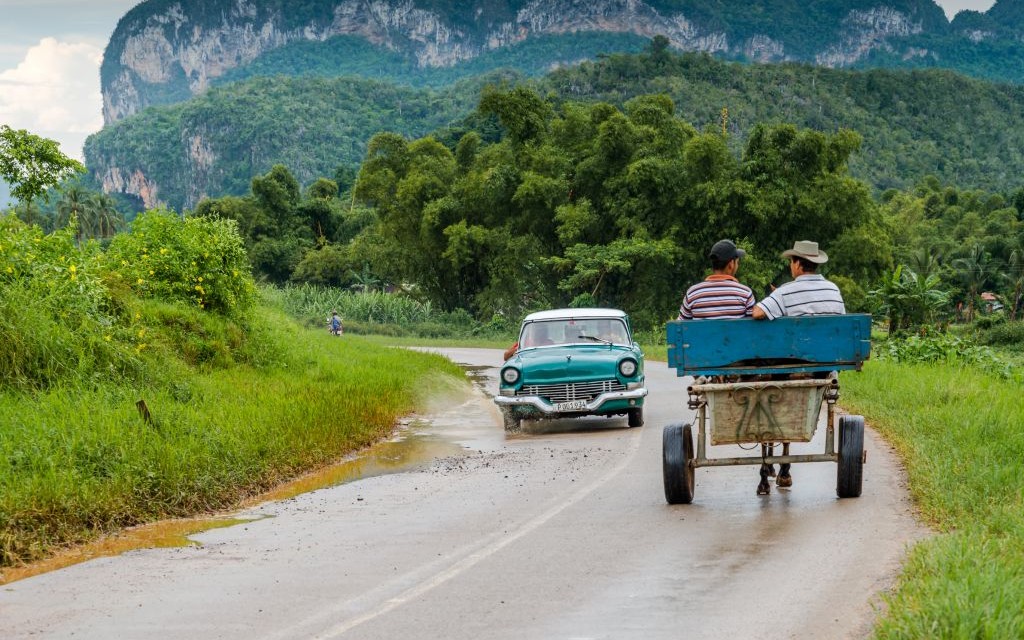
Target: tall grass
[239,396]
[961,433]
[76,462]
[382,313]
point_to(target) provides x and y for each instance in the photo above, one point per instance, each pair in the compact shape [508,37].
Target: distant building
[990,302]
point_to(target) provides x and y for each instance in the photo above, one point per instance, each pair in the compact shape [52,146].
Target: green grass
[79,461]
[961,434]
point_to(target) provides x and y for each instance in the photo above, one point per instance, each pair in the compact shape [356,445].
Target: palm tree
[1015,276]
[95,213]
[106,219]
[925,261]
[72,206]
[974,271]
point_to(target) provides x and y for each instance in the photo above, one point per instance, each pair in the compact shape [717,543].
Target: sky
[50,54]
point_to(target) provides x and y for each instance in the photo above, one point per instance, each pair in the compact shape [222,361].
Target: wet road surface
[561,532]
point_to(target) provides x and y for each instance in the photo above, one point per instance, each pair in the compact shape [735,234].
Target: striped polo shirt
[808,295]
[719,296]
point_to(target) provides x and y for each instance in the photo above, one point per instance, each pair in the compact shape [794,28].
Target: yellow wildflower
[163,250]
[107,338]
[72,269]
[200,278]
[139,281]
[150,272]
[142,333]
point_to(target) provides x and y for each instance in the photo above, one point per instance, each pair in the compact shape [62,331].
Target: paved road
[562,532]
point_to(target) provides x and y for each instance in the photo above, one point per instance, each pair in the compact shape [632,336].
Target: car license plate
[574,405]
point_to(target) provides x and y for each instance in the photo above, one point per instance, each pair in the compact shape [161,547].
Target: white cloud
[54,92]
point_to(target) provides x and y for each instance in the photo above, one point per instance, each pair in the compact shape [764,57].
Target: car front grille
[571,391]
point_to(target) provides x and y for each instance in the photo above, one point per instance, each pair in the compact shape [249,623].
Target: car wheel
[635,417]
[512,421]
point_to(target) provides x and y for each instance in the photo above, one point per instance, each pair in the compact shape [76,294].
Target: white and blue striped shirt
[808,295]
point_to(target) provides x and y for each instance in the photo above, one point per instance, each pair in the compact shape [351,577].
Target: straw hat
[807,250]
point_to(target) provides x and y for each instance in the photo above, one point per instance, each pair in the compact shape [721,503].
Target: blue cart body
[787,345]
[748,408]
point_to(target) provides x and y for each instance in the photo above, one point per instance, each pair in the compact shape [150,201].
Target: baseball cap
[726,250]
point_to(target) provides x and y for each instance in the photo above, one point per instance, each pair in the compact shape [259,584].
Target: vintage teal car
[570,363]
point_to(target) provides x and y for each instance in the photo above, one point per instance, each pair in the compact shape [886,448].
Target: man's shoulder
[709,283]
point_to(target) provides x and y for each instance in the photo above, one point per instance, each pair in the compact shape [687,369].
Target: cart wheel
[851,457]
[511,420]
[676,454]
[635,417]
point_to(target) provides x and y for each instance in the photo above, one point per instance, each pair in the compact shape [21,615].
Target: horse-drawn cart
[763,384]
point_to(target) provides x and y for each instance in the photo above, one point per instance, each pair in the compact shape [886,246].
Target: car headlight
[510,375]
[627,368]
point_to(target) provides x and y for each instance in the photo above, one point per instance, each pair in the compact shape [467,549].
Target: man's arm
[770,308]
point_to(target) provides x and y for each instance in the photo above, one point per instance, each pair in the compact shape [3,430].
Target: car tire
[635,417]
[513,423]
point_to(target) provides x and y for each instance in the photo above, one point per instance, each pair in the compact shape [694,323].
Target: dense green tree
[587,203]
[31,164]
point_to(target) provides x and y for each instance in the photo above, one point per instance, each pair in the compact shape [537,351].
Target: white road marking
[467,562]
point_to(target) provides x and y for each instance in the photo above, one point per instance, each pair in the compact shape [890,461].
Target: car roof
[557,314]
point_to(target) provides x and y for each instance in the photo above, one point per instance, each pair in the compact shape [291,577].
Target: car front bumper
[611,400]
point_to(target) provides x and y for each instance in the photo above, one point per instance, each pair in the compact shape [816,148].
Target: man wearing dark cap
[720,295]
[809,294]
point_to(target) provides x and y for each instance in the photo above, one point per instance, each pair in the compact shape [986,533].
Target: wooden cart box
[764,413]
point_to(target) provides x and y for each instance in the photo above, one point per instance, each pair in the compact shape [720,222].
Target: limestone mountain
[164,51]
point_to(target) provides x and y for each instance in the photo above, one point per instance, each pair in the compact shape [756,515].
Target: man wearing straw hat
[809,294]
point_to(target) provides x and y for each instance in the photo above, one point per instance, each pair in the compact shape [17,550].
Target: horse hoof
[771,471]
[764,489]
[784,481]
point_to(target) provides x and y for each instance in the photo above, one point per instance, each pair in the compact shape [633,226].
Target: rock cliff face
[166,50]
[865,31]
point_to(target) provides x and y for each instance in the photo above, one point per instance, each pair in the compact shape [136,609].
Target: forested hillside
[968,133]
[215,143]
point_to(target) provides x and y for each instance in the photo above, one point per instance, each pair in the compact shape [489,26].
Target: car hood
[576,363]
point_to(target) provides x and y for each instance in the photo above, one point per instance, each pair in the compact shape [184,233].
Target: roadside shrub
[992,320]
[55,318]
[1004,334]
[943,348]
[199,261]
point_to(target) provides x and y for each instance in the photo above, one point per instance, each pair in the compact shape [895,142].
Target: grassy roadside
[75,462]
[961,434]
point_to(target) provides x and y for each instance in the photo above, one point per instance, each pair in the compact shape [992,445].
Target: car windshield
[574,331]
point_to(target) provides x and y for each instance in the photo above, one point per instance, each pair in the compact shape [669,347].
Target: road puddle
[458,422]
[164,534]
